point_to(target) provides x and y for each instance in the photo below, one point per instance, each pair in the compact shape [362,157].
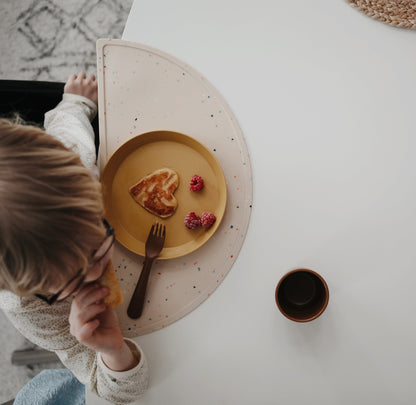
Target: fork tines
[158,230]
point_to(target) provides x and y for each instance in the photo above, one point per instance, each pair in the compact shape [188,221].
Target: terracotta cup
[302,295]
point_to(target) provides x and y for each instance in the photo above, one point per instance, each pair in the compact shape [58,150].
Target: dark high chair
[32,99]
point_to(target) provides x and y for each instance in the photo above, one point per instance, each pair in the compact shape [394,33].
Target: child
[55,244]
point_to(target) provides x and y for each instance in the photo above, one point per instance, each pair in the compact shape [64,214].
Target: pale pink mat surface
[142,89]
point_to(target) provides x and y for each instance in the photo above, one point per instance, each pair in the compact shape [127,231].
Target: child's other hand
[82,85]
[92,323]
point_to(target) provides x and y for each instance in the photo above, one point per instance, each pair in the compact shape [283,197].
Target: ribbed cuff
[77,99]
[137,353]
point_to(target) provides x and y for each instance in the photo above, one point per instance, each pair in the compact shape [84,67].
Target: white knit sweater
[48,326]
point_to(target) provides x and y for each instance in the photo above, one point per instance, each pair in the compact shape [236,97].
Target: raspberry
[207,219]
[197,183]
[192,221]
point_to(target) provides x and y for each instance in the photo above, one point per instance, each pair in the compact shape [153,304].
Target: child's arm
[69,121]
[97,327]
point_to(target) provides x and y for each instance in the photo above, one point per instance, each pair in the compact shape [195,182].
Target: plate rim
[166,132]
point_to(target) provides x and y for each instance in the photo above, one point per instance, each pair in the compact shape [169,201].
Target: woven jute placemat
[399,13]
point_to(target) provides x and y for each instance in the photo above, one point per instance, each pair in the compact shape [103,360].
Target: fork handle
[135,308]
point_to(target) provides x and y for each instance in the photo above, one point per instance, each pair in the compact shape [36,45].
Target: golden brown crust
[154,192]
[109,279]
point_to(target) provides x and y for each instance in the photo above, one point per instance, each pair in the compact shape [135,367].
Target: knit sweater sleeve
[48,327]
[70,123]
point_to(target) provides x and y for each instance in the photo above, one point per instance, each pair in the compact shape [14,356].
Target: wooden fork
[153,247]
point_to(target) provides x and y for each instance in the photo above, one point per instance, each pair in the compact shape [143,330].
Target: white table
[326,100]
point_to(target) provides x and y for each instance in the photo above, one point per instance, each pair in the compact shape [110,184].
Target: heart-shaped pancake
[154,192]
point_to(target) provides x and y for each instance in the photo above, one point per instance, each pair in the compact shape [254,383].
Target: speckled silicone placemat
[142,89]
[399,13]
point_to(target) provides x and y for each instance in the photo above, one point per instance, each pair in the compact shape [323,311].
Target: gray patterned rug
[48,40]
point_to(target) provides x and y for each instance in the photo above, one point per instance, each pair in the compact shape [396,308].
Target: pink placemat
[142,89]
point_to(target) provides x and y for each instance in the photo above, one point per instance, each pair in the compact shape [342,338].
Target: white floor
[48,40]
[14,377]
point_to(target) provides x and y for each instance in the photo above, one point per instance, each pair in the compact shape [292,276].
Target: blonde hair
[50,210]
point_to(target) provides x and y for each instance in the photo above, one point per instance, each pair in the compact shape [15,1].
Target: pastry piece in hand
[109,279]
[154,192]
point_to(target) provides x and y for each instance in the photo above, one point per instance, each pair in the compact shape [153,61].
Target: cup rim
[319,313]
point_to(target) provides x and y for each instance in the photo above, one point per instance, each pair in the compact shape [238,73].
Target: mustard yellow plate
[141,156]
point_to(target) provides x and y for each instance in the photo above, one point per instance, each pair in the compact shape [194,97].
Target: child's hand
[82,85]
[92,323]
[96,326]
